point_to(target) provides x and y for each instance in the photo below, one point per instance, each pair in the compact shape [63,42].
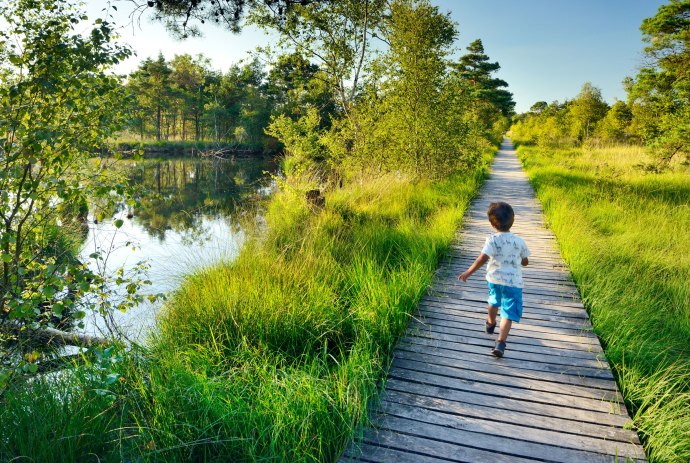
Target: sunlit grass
[622,225]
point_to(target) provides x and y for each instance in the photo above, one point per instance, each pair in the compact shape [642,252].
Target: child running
[505,252]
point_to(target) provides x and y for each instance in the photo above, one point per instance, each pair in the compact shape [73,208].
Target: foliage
[407,113]
[660,93]
[572,123]
[336,35]
[419,39]
[490,93]
[58,105]
[185,99]
[185,17]
[295,85]
[615,126]
[623,231]
[546,126]
[302,139]
[585,111]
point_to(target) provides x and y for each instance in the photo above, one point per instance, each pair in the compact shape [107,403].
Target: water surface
[188,218]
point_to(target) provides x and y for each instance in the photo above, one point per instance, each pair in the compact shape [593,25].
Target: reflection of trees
[176,194]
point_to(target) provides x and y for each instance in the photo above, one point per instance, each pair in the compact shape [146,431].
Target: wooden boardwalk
[551,398]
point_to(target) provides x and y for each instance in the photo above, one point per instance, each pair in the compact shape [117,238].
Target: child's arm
[481,260]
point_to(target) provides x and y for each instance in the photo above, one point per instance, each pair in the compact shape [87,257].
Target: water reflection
[180,193]
[186,219]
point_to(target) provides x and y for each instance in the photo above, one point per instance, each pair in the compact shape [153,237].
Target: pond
[188,218]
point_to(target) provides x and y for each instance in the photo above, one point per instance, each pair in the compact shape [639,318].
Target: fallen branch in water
[55,337]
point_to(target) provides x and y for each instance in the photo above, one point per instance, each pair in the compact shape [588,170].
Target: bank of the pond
[275,356]
[623,230]
[180,148]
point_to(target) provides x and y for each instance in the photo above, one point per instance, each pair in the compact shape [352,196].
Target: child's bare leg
[491,318]
[505,329]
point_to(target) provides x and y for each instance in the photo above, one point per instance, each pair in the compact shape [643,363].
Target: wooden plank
[519,360]
[375,453]
[385,438]
[509,416]
[518,346]
[513,448]
[520,337]
[466,393]
[531,282]
[527,305]
[539,443]
[481,295]
[535,328]
[474,362]
[478,311]
[490,377]
[479,285]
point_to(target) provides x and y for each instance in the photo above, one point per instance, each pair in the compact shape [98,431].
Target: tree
[334,35]
[295,84]
[58,105]
[493,105]
[659,96]
[420,38]
[538,107]
[150,83]
[586,110]
[189,79]
[616,124]
[544,125]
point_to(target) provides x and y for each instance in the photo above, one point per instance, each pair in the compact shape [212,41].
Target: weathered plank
[552,397]
[473,362]
[490,412]
[509,386]
[473,394]
[517,439]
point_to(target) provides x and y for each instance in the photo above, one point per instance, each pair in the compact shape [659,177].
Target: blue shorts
[508,298]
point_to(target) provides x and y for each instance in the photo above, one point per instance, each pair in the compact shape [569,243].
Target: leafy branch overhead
[185,17]
[59,105]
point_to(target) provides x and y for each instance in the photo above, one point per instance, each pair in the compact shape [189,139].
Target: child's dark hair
[501,216]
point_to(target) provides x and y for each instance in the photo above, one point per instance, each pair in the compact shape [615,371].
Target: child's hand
[464,276]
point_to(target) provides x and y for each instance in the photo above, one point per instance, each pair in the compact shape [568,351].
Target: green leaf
[30,367]
[48,292]
[118,223]
[58,307]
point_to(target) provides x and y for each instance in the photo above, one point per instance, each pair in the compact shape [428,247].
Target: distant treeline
[656,112]
[185,99]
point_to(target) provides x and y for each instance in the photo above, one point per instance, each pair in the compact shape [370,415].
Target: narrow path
[552,398]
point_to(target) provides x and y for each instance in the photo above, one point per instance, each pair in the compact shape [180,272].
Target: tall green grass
[277,355]
[622,226]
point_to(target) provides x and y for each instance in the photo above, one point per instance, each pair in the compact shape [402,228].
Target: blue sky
[546,48]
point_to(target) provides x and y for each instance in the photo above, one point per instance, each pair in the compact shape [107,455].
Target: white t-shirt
[506,251]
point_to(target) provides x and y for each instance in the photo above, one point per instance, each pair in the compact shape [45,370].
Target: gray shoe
[499,349]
